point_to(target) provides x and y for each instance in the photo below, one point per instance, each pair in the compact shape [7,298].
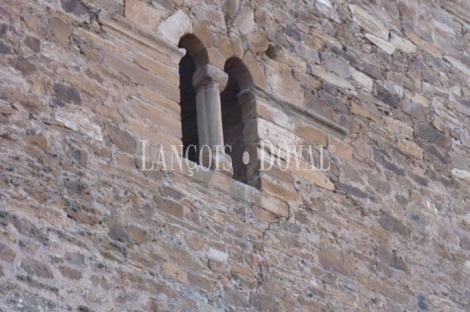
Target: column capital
[209,74]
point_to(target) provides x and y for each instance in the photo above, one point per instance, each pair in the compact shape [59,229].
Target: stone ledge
[153,41]
[312,118]
[236,189]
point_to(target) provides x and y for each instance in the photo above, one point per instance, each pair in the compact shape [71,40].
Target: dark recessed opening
[188,107]
[195,56]
[232,121]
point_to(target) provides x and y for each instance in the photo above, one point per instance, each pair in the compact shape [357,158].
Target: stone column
[247,101]
[208,82]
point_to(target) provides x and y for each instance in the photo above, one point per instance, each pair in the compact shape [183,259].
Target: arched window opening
[195,56]
[232,116]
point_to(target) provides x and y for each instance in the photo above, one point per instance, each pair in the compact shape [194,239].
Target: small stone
[74,6]
[33,43]
[457,64]
[67,94]
[285,86]
[426,46]
[142,14]
[70,273]
[333,259]
[336,65]
[432,135]
[387,97]
[245,21]
[364,80]
[4,49]
[369,22]
[392,260]
[122,139]
[257,41]
[195,242]
[292,227]
[390,223]
[384,45]
[37,140]
[6,253]
[309,54]
[79,121]
[230,7]
[81,156]
[217,255]
[75,258]
[331,78]
[402,44]
[397,127]
[461,174]
[175,271]
[174,27]
[118,232]
[36,268]
[410,148]
[351,190]
[25,66]
[60,30]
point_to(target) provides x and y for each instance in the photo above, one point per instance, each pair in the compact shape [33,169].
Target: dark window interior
[232,121]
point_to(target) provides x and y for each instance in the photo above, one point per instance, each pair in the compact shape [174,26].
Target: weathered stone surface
[333,259]
[36,268]
[432,135]
[368,112]
[369,22]
[392,259]
[331,78]
[174,27]
[402,44]
[5,49]
[75,7]
[231,7]
[351,190]
[390,223]
[67,94]
[384,45]
[457,64]
[175,271]
[32,43]
[245,21]
[336,65]
[78,121]
[286,86]
[257,41]
[6,254]
[410,148]
[363,79]
[397,127]
[59,30]
[424,45]
[84,227]
[461,174]
[142,14]
[25,66]
[70,273]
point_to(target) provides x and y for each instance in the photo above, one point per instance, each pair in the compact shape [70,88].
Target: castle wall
[382,88]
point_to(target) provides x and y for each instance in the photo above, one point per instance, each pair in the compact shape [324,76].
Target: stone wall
[385,229]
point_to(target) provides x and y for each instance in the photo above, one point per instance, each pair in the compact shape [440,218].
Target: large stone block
[142,14]
[369,22]
[285,86]
[174,27]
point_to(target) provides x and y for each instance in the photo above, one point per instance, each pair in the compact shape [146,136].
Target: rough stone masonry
[387,228]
